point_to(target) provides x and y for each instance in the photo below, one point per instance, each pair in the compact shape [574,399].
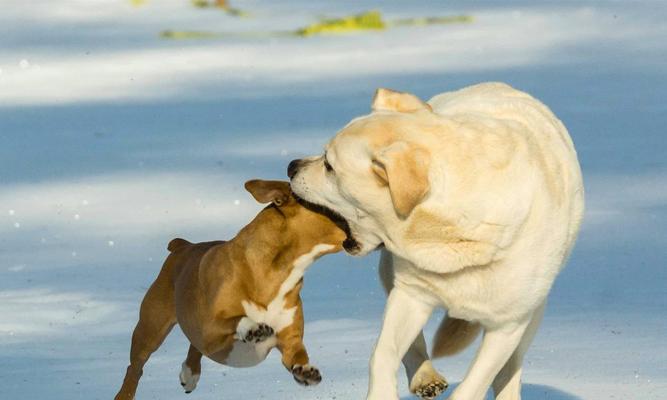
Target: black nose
[293,168]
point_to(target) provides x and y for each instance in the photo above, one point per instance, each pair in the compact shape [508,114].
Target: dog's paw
[306,375]
[258,334]
[249,331]
[431,390]
[188,379]
[427,383]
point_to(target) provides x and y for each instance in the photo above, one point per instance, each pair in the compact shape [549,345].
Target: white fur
[275,314]
[405,314]
[249,354]
[188,378]
[244,326]
[502,213]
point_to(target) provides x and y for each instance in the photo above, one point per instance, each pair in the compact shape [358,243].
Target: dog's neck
[270,249]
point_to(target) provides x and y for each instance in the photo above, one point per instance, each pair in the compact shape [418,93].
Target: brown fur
[202,285]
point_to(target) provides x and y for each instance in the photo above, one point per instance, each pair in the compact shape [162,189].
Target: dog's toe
[258,334]
[431,390]
[306,375]
[427,383]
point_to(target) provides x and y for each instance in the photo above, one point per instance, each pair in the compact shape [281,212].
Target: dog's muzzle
[350,244]
[293,168]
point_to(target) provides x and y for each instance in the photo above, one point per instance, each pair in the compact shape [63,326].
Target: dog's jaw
[358,248]
[351,244]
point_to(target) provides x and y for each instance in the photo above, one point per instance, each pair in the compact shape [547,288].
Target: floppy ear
[277,192]
[404,168]
[387,99]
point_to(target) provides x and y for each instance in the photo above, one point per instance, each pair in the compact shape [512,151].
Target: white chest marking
[275,314]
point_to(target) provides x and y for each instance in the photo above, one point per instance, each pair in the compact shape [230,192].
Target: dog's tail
[453,336]
[176,244]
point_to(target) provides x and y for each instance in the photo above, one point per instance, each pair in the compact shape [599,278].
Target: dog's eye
[327,166]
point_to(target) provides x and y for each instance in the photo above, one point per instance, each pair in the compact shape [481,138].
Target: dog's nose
[292,168]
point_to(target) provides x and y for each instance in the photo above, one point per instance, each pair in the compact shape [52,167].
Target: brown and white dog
[237,300]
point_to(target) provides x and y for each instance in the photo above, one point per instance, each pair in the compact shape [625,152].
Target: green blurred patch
[367,21]
[371,20]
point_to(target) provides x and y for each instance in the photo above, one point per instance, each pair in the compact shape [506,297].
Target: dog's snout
[292,168]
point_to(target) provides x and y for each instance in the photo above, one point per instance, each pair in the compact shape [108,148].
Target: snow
[115,141]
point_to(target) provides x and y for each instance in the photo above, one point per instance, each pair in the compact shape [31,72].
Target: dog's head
[303,222]
[374,172]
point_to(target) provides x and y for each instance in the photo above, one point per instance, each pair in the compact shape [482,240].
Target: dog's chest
[276,314]
[491,296]
[475,295]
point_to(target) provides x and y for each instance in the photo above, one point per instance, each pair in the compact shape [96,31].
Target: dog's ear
[277,192]
[387,99]
[404,168]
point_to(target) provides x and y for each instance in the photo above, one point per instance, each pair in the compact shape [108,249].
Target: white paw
[188,379]
[249,331]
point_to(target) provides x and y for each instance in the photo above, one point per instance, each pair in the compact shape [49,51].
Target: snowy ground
[114,141]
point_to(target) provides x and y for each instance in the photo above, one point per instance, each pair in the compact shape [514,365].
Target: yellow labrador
[477,197]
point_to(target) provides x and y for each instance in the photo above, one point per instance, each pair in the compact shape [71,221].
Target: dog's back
[548,136]
[184,255]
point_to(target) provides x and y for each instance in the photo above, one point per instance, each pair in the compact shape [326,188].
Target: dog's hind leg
[191,370]
[507,384]
[424,380]
[156,318]
[498,345]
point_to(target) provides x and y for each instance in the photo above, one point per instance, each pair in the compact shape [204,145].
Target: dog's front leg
[294,354]
[405,316]
[423,379]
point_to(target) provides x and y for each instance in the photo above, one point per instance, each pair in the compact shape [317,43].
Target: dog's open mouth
[350,244]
